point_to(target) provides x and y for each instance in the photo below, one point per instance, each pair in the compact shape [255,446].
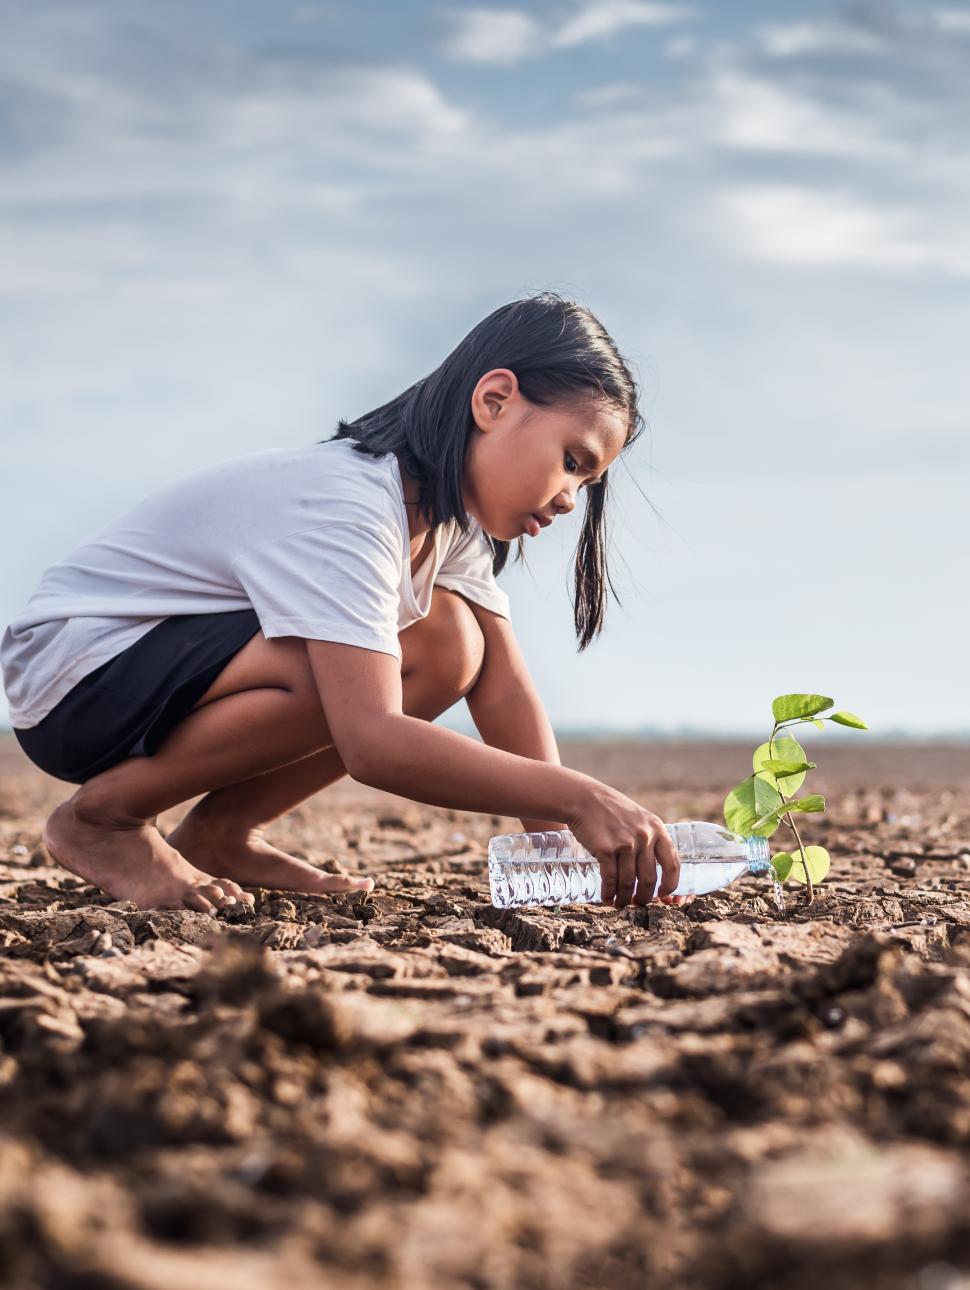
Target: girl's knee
[449,641]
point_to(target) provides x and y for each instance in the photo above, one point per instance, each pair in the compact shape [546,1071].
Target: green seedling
[758,805]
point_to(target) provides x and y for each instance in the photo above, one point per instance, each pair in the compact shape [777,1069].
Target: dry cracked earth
[418,1090]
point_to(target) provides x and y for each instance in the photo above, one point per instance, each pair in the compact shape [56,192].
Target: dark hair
[557,350]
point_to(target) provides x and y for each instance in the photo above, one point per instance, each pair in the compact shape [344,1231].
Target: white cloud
[492,36]
[331,104]
[263,146]
[500,36]
[955,20]
[760,115]
[607,17]
[278,140]
[582,162]
[794,225]
[790,40]
[680,47]
[608,95]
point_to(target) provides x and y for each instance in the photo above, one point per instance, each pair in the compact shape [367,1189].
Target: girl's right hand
[631,844]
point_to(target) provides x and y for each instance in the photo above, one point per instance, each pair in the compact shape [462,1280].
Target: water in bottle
[554,868]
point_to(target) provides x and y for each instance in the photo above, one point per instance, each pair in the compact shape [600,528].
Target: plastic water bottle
[556,869]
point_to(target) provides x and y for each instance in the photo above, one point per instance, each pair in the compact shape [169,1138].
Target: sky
[225,225]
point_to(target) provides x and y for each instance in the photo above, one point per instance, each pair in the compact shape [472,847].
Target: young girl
[259,628]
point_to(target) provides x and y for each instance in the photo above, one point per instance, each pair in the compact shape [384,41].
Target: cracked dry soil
[417,1090]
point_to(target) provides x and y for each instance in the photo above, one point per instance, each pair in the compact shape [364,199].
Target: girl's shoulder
[260,495]
[340,473]
[324,471]
[331,483]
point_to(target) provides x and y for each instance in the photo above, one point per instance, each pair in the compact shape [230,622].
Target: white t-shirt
[314,539]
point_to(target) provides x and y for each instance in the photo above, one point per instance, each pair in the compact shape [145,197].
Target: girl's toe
[214,891]
[233,889]
[340,882]
[193,899]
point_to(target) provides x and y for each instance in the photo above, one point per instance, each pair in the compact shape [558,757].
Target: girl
[258,629]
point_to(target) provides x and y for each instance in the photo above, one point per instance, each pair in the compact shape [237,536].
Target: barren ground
[418,1090]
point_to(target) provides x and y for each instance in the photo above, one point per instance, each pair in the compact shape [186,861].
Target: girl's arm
[361,694]
[380,745]
[505,705]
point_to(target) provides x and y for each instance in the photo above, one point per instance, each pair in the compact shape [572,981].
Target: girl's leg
[261,714]
[442,656]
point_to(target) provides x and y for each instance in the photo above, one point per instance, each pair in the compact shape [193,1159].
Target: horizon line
[689,733]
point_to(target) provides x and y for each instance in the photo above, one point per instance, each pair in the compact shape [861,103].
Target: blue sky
[224,225]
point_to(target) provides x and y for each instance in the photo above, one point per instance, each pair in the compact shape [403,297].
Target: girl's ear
[491,396]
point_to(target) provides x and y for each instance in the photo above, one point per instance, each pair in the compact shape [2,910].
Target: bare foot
[249,858]
[133,862]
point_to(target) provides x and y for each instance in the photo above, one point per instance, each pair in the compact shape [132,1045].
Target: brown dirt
[416,1090]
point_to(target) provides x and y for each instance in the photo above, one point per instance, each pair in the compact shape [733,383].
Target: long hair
[558,350]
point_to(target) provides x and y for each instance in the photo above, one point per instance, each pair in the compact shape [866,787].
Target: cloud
[680,47]
[329,104]
[953,20]
[609,95]
[788,224]
[875,161]
[791,40]
[492,36]
[760,115]
[275,140]
[607,17]
[311,147]
[502,36]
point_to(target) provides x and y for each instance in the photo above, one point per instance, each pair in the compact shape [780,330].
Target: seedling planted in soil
[758,804]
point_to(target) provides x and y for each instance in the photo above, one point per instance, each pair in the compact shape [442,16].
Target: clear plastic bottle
[556,869]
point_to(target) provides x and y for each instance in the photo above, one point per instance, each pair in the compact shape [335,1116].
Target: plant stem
[809,888]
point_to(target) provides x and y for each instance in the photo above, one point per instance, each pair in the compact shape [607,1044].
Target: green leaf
[783,769]
[820,724]
[784,748]
[788,706]
[782,863]
[848,719]
[818,865]
[760,826]
[814,802]
[767,824]
[746,801]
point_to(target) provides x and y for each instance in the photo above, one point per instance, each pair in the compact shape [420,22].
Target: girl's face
[526,464]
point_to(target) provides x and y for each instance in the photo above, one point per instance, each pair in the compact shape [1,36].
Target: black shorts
[127,706]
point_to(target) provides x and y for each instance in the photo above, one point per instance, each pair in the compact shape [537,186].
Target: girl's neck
[418,526]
